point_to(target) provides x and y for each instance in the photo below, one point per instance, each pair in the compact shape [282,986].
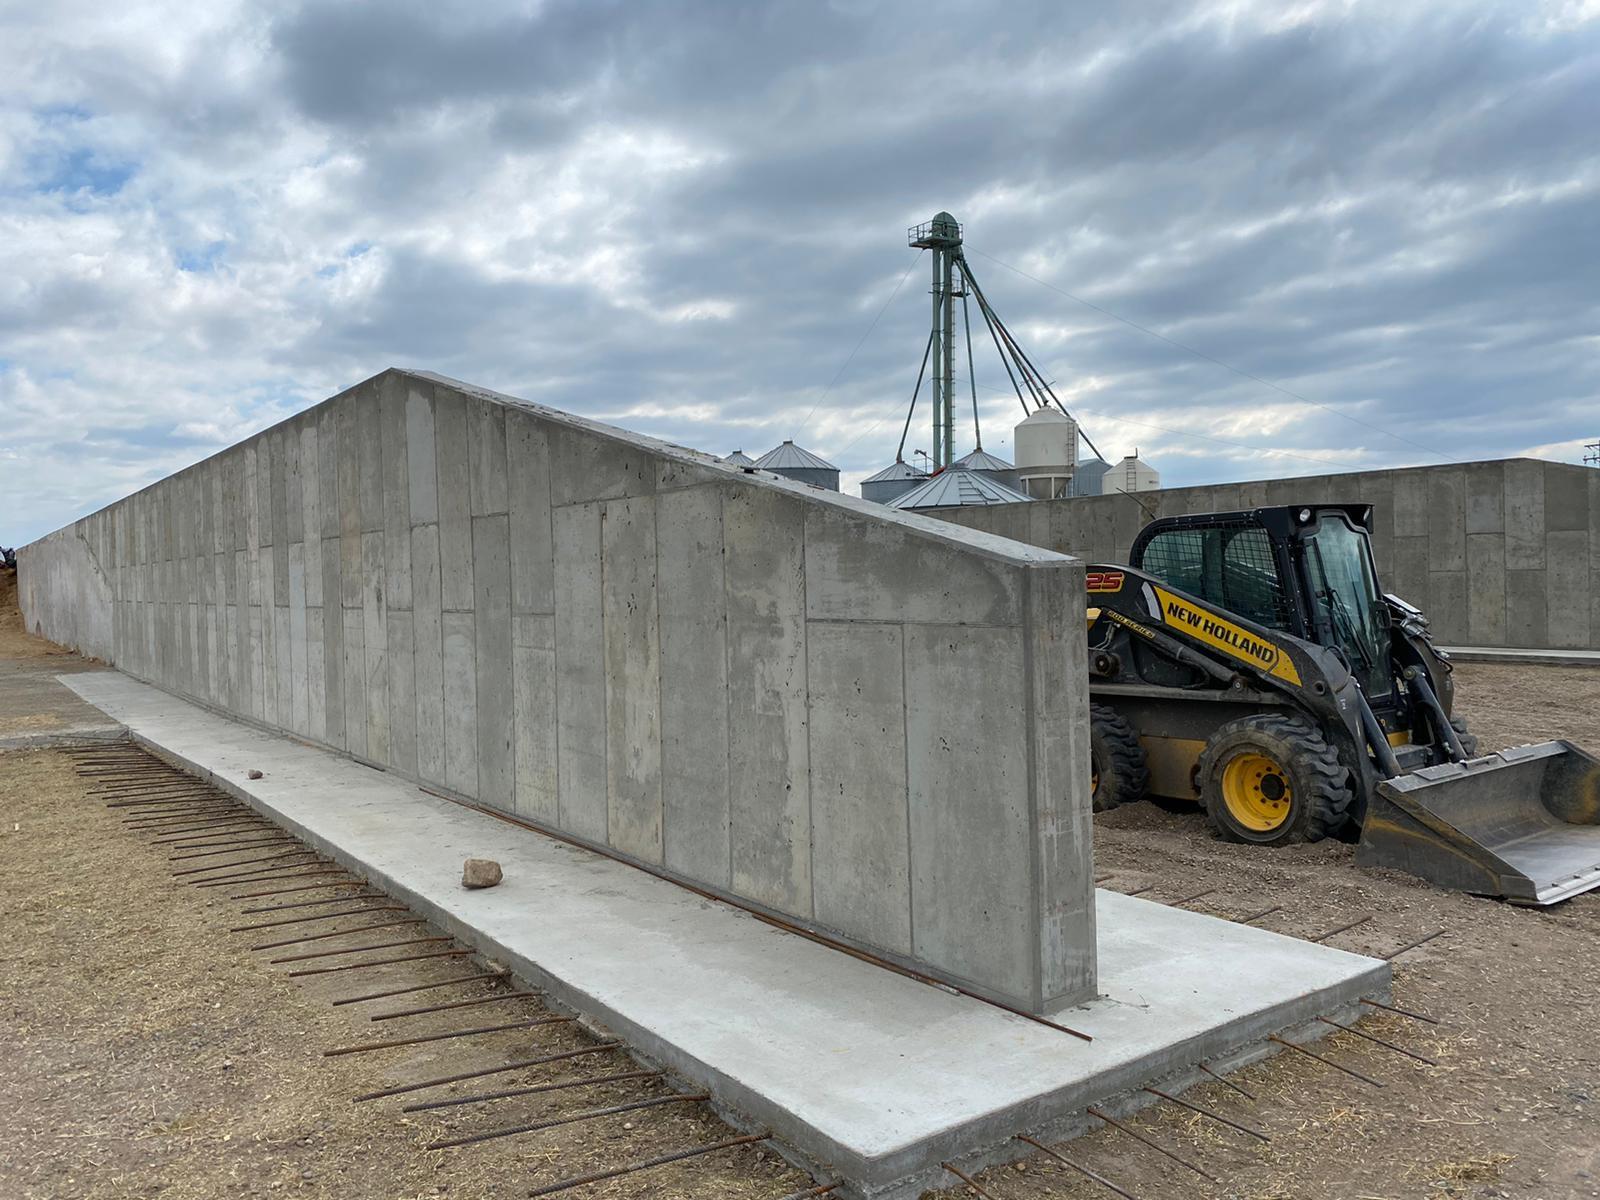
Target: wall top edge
[927,528]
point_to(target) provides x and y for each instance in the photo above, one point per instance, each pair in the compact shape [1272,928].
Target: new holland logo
[1225,635]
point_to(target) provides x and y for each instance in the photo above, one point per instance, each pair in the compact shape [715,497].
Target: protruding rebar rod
[532,1023]
[1322,937]
[259,837]
[522,1064]
[243,862]
[310,887]
[1149,887]
[593,1114]
[349,912]
[1362,1033]
[1265,912]
[1401,1012]
[1188,899]
[1421,941]
[420,987]
[380,962]
[235,848]
[272,908]
[1206,1112]
[968,1180]
[1151,1142]
[662,1160]
[537,1090]
[257,877]
[433,1008]
[1224,1080]
[318,937]
[1324,1060]
[1076,1166]
[289,958]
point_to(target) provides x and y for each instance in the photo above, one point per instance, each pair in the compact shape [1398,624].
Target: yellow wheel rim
[1257,792]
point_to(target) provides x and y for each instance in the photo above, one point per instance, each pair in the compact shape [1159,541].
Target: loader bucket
[1523,824]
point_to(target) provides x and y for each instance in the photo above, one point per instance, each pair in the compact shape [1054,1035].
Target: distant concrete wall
[1501,553]
[867,721]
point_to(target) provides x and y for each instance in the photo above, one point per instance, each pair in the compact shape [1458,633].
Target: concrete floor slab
[37,712]
[863,1072]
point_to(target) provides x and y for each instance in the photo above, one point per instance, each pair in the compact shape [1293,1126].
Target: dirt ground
[146,1051]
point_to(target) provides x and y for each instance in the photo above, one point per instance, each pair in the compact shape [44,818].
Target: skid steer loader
[1250,661]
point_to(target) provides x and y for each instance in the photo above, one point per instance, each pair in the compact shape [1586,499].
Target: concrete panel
[298,696]
[1407,576]
[491,573]
[1486,588]
[455,502]
[1527,623]
[369,455]
[332,643]
[877,574]
[1486,497]
[354,679]
[421,478]
[375,646]
[266,652]
[402,692]
[316,682]
[769,761]
[633,677]
[859,821]
[694,672]
[350,571]
[486,447]
[968,778]
[1447,545]
[1410,504]
[1567,585]
[396,493]
[586,467]
[1524,510]
[460,703]
[293,485]
[311,508]
[328,493]
[528,495]
[580,672]
[1447,606]
[428,646]
[534,693]
[1566,497]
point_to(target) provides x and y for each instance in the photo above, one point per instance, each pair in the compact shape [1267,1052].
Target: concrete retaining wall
[1502,553]
[870,722]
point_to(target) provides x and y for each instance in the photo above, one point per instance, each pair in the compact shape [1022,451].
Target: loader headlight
[1305,516]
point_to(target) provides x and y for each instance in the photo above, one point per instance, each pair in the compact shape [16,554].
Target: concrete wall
[867,721]
[1502,553]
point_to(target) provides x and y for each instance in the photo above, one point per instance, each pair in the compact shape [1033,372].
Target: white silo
[1047,453]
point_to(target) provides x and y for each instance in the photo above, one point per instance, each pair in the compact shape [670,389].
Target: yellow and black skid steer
[1251,661]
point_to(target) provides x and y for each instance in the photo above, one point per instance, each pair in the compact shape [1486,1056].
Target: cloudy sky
[686,217]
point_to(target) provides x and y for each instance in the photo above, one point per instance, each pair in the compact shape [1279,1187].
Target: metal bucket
[1523,824]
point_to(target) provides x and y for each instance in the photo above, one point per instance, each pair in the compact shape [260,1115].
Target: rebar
[1361,1033]
[1325,1061]
[244,862]
[272,908]
[968,1180]
[1152,1143]
[536,1090]
[235,848]
[289,958]
[317,937]
[1206,1112]
[440,1081]
[1390,957]
[419,1039]
[1188,899]
[258,878]
[1223,1079]
[433,1008]
[593,1114]
[1402,1012]
[1265,912]
[380,962]
[351,912]
[1077,1166]
[1322,937]
[310,887]
[661,1160]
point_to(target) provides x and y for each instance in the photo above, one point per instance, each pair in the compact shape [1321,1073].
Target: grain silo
[957,486]
[895,480]
[739,459]
[798,463]
[991,465]
[1047,453]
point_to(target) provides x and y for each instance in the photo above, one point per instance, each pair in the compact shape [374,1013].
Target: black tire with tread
[1121,773]
[1319,782]
[1469,740]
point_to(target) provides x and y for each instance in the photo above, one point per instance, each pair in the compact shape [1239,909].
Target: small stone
[480,873]
[252,773]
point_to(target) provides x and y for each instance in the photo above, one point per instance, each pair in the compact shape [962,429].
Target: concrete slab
[860,1071]
[1524,655]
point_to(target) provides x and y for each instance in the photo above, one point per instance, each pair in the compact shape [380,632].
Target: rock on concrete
[480,873]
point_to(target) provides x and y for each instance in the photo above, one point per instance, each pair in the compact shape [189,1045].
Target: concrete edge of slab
[906,1171]
[1523,656]
[62,738]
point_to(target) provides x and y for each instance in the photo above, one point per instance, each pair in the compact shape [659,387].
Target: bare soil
[145,1051]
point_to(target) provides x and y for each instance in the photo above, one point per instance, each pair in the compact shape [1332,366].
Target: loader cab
[1307,570]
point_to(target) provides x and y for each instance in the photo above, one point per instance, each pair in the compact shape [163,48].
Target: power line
[851,357]
[1243,374]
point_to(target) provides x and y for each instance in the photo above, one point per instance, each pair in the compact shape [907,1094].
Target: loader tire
[1272,780]
[1469,740]
[1120,774]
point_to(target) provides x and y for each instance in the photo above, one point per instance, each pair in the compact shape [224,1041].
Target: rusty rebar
[536,1090]
[277,858]
[1421,941]
[1265,912]
[289,958]
[381,962]
[211,829]
[350,912]
[1324,1060]
[1322,937]
[419,1039]
[1188,899]
[1151,1142]
[440,1081]
[288,877]
[318,937]
[235,848]
[1402,1012]
[1077,1166]
[968,1180]
[1149,887]
[661,1160]
[310,887]
[1206,1112]
[1224,1080]
[824,1189]
[1361,1033]
[433,1008]
[272,908]
[593,1114]
[215,841]
[419,987]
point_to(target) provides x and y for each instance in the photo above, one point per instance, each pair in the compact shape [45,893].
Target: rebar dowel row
[576,1118]
[550,1189]
[522,1064]
[1077,1166]
[1324,1060]
[390,1044]
[533,1090]
[1151,1142]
